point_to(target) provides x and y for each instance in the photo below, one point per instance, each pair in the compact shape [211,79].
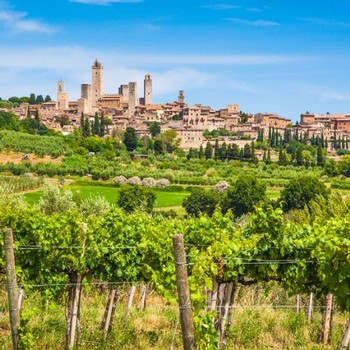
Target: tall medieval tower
[97,82]
[132,98]
[62,96]
[148,92]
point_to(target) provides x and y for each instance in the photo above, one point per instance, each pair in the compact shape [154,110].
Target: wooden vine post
[74,298]
[186,316]
[108,317]
[345,339]
[327,319]
[310,308]
[12,288]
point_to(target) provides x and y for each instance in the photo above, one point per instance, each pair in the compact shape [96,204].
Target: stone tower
[181,97]
[97,82]
[62,96]
[148,92]
[84,103]
[132,98]
[124,91]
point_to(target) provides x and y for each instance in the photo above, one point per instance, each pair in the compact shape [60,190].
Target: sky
[285,57]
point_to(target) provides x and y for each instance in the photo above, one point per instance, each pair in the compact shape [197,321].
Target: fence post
[327,319]
[345,339]
[186,316]
[12,288]
[310,307]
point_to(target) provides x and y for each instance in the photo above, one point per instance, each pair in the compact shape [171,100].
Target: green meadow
[164,199]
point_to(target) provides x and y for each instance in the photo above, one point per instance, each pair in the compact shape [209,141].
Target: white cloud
[104,2]
[71,57]
[221,7]
[30,69]
[325,93]
[18,21]
[254,23]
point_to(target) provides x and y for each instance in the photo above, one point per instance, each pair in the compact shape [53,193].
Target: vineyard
[61,257]
[264,262]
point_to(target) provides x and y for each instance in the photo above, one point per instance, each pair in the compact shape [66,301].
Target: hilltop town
[125,109]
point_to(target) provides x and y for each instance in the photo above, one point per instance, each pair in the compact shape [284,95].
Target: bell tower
[148,92]
[97,82]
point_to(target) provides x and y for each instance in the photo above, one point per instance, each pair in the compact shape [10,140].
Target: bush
[246,192]
[201,201]
[301,190]
[136,197]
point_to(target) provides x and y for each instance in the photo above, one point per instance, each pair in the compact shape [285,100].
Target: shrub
[149,182]
[301,190]
[53,201]
[135,180]
[136,197]
[246,192]
[162,183]
[221,186]
[201,201]
[120,180]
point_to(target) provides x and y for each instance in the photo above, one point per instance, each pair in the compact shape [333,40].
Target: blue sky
[284,57]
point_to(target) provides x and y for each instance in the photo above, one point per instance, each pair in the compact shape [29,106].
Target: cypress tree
[96,125]
[201,152]
[320,156]
[102,130]
[208,151]
[217,150]
[223,151]
[299,156]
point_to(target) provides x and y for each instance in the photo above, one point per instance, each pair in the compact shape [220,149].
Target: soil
[16,158]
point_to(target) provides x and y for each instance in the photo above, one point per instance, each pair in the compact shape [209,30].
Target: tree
[135,197]
[282,157]
[39,99]
[48,98]
[201,152]
[244,195]
[130,139]
[102,129]
[201,201]
[223,151]
[247,151]
[208,151]
[299,156]
[300,191]
[154,128]
[54,201]
[32,99]
[166,142]
[96,125]
[217,150]
[320,156]
[87,128]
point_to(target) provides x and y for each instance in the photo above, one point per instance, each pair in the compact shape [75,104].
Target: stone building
[62,97]
[148,90]
[133,101]
[97,82]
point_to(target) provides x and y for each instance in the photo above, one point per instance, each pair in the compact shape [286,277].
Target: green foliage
[300,191]
[130,139]
[94,205]
[53,201]
[40,145]
[201,201]
[136,197]
[246,193]
[154,128]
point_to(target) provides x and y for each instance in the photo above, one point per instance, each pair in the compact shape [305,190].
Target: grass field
[164,199]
